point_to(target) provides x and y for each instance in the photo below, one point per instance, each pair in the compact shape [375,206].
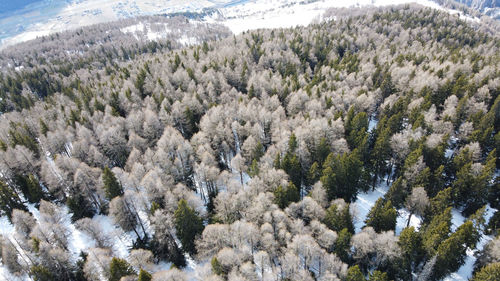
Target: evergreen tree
[452,252]
[144,275]
[410,243]
[9,200]
[217,267]
[355,274]
[436,231]
[378,276]
[291,164]
[119,268]
[80,207]
[356,129]
[491,272]
[343,176]
[41,273]
[440,202]
[30,187]
[283,196]
[342,245]
[337,219]
[382,216]
[112,187]
[188,224]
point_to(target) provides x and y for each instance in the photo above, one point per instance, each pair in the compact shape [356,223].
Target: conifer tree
[283,196]
[355,274]
[451,253]
[188,225]
[378,276]
[337,219]
[382,216]
[9,200]
[119,268]
[490,272]
[111,185]
[144,276]
[343,176]
[342,244]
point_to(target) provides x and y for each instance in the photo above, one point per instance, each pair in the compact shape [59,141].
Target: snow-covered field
[238,15]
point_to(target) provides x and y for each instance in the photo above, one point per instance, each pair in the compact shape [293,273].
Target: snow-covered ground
[238,15]
[465,271]
[365,201]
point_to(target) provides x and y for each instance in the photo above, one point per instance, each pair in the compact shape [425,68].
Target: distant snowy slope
[238,15]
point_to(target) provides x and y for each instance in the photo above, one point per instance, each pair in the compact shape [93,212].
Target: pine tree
[144,275]
[30,187]
[119,268]
[283,196]
[9,200]
[343,176]
[436,231]
[355,274]
[440,202]
[378,276]
[410,243]
[112,187]
[337,219]
[80,207]
[291,164]
[491,272]
[342,245]
[188,224]
[356,127]
[452,252]
[41,273]
[382,216]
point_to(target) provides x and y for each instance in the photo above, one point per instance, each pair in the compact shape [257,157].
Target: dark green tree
[436,231]
[30,187]
[9,200]
[410,244]
[144,275]
[342,245]
[291,164]
[188,224]
[112,187]
[343,176]
[41,273]
[382,216]
[283,196]
[491,272]
[119,268]
[80,207]
[338,218]
[355,274]
[356,129]
[452,252]
[378,276]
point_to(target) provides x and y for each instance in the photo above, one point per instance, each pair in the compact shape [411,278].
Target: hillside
[362,147]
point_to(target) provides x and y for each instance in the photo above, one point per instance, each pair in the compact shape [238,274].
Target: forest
[362,147]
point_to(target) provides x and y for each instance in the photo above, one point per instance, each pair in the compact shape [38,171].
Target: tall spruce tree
[188,225]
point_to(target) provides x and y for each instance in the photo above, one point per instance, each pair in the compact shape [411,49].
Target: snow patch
[365,202]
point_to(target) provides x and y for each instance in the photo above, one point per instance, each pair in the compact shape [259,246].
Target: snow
[372,124]
[402,220]
[186,40]
[144,29]
[465,271]
[124,240]
[365,201]
[238,15]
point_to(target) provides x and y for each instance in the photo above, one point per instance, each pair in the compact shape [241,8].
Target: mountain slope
[54,16]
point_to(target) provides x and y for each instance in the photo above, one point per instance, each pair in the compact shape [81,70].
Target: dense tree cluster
[246,156]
